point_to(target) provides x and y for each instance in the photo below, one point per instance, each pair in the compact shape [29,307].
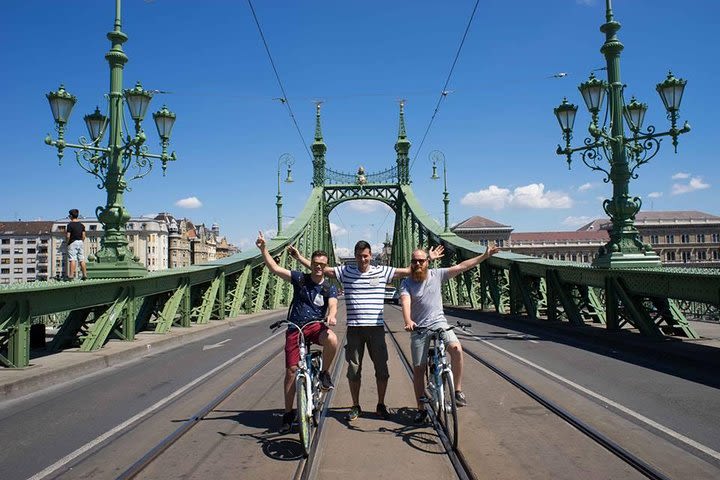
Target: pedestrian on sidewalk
[75,236]
[422,306]
[313,299]
[364,287]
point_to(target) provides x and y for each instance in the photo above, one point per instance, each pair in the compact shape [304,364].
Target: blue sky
[496,129]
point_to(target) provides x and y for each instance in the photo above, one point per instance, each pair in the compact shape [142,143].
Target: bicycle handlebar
[280,323]
[460,324]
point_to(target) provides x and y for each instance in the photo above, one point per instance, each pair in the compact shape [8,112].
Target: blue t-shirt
[310,299]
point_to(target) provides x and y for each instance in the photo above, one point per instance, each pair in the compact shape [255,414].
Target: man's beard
[419,274]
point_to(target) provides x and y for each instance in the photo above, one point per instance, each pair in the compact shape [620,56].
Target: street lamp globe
[593,92]
[565,113]
[61,104]
[164,121]
[138,101]
[671,92]
[634,114]
[95,123]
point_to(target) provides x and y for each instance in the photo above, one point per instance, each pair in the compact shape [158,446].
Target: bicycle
[307,385]
[441,384]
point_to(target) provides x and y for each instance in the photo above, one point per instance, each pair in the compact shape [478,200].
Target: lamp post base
[628,260]
[116,269]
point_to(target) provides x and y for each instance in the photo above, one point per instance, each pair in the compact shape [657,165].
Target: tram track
[462,466]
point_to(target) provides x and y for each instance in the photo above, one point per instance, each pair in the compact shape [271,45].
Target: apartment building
[25,254]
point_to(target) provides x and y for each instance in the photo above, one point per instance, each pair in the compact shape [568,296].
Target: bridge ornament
[623,153]
[110,164]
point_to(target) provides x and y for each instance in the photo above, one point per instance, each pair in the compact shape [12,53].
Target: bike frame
[440,362]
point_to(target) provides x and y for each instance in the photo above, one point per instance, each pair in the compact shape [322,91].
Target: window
[5,251]
[30,241]
[684,238]
[6,241]
[30,270]
[18,270]
[685,257]
[670,256]
[18,260]
[654,239]
[716,237]
[669,238]
[700,238]
[61,228]
[715,255]
[31,251]
[702,255]
[93,228]
[5,261]
[18,251]
[5,271]
[30,260]
[43,242]
[573,257]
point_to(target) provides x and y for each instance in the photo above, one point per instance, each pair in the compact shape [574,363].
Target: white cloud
[190,202]
[337,230]
[367,206]
[528,196]
[695,183]
[655,194]
[680,176]
[493,197]
[585,187]
[577,221]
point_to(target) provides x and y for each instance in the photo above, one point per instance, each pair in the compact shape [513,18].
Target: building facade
[25,253]
[681,238]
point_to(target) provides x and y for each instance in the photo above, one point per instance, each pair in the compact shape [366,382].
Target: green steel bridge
[647,300]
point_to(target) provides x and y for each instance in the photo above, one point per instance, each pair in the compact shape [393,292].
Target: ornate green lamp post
[288,160]
[624,153]
[436,156]
[110,164]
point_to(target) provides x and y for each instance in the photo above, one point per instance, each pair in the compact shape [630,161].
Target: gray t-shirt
[426,308]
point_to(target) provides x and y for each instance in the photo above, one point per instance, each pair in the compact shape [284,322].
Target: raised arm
[295,253]
[433,254]
[281,272]
[466,265]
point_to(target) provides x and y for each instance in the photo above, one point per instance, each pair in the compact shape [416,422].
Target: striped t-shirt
[364,293]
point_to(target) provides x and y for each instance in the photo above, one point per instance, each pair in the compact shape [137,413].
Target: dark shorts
[374,338]
[292,349]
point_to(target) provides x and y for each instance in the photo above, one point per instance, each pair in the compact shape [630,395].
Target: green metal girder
[259,299]
[561,293]
[166,317]
[238,294]
[208,300]
[634,311]
[102,327]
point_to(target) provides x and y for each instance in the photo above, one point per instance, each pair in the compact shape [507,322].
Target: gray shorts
[420,341]
[374,338]
[76,251]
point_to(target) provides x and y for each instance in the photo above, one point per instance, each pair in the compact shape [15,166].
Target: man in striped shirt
[364,286]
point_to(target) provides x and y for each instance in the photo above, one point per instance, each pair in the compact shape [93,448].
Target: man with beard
[421,300]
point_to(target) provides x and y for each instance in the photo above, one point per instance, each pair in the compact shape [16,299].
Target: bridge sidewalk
[47,370]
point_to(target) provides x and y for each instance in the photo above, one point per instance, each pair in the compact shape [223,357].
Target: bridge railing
[646,299]
[94,311]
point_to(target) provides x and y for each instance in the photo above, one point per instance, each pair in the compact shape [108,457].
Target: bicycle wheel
[449,410]
[303,417]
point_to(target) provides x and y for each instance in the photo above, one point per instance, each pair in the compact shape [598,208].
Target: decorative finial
[318,130]
[401,130]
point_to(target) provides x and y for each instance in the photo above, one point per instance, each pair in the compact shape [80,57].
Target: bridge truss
[90,313]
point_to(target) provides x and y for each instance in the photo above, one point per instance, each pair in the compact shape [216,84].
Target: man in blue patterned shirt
[313,299]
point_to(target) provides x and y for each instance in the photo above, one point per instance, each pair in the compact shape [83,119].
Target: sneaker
[420,417]
[354,413]
[287,420]
[325,381]
[460,399]
[382,410]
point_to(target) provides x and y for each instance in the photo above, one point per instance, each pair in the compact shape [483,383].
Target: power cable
[284,99]
[444,92]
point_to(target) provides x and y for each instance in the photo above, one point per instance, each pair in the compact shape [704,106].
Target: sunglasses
[419,260]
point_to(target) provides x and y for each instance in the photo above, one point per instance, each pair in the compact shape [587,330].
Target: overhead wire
[284,99]
[444,92]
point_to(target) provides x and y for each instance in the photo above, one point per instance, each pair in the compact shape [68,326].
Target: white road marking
[215,345]
[119,428]
[678,436]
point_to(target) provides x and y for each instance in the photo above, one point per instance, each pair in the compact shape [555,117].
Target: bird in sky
[558,75]
[282,99]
